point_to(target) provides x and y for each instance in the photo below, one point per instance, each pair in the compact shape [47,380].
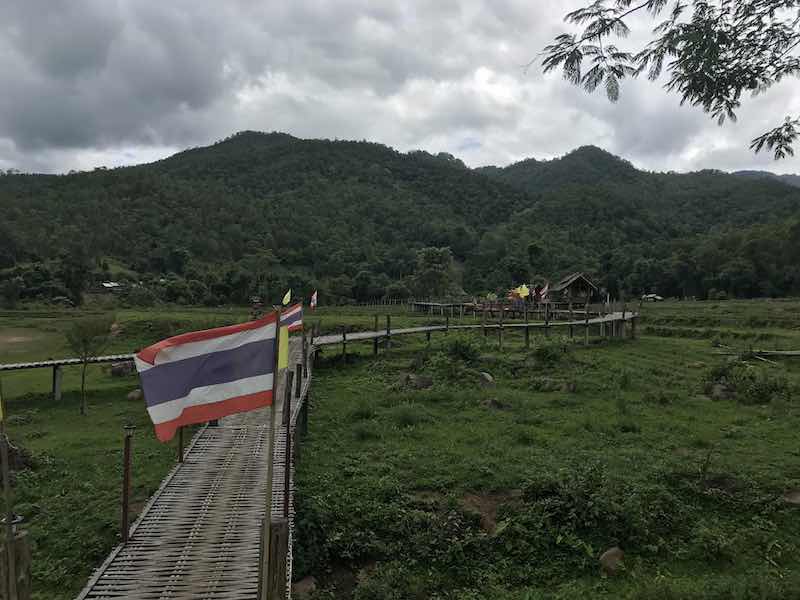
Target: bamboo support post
[274,548]
[586,329]
[527,330]
[180,444]
[126,483]
[304,356]
[287,422]
[58,375]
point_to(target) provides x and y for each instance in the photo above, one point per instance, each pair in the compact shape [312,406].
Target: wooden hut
[574,287]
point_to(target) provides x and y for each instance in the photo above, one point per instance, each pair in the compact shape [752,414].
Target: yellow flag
[524,292]
[283,348]
[287,297]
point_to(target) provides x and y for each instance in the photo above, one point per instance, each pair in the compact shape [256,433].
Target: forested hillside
[257,213]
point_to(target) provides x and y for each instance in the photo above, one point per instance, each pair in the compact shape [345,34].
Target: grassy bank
[514,489]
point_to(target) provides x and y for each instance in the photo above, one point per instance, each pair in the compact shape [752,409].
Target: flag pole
[271,453]
[10,546]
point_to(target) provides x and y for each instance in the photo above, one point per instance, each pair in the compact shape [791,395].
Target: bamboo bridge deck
[199,535]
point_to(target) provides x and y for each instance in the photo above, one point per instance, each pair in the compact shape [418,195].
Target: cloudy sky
[109,82]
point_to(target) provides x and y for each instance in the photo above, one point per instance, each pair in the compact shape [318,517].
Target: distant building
[575,286]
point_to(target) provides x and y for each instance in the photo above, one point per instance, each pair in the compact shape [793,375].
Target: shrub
[549,351]
[408,415]
[749,384]
[462,347]
[365,431]
[364,410]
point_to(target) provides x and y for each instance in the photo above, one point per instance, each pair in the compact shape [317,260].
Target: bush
[550,351]
[408,415]
[462,347]
[362,412]
[749,384]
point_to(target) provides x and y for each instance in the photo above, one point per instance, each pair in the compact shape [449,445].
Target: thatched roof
[572,278]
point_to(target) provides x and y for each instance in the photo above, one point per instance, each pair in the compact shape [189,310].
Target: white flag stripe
[226,342]
[168,411]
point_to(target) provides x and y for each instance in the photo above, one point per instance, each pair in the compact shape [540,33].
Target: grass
[572,450]
[615,444]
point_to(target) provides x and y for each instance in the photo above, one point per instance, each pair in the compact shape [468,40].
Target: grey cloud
[120,81]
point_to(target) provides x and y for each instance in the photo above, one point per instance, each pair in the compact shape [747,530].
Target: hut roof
[572,278]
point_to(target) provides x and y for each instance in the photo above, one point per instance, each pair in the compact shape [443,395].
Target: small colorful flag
[283,348]
[293,317]
[291,320]
[205,375]
[523,290]
[287,297]
[314,300]
[544,291]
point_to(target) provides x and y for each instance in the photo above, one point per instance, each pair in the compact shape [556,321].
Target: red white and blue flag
[292,317]
[205,375]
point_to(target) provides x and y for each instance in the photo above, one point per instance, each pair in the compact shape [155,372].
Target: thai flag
[292,317]
[206,375]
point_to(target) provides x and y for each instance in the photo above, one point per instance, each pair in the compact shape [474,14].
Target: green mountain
[257,213]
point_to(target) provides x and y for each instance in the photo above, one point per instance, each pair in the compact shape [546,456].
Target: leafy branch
[723,49]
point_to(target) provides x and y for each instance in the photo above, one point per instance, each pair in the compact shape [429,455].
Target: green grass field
[464,490]
[514,490]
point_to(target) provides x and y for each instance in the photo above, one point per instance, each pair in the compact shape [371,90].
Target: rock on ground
[611,560]
[135,395]
[304,588]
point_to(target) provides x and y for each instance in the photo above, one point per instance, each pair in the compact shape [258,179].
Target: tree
[433,275]
[74,272]
[88,337]
[713,55]
[10,291]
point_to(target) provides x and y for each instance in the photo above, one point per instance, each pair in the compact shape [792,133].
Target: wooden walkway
[338,338]
[199,535]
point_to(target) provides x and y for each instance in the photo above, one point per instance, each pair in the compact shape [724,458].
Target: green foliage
[750,384]
[87,337]
[763,34]
[464,347]
[361,221]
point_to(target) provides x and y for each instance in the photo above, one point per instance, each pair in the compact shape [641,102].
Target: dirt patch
[486,506]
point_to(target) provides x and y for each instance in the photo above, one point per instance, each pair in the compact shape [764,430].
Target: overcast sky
[109,82]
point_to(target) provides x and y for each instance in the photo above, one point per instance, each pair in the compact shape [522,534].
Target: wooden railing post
[180,444]
[388,332]
[375,340]
[304,356]
[58,375]
[16,585]
[547,320]
[586,315]
[298,380]
[447,325]
[126,483]
[500,329]
[344,344]
[274,549]
[527,330]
